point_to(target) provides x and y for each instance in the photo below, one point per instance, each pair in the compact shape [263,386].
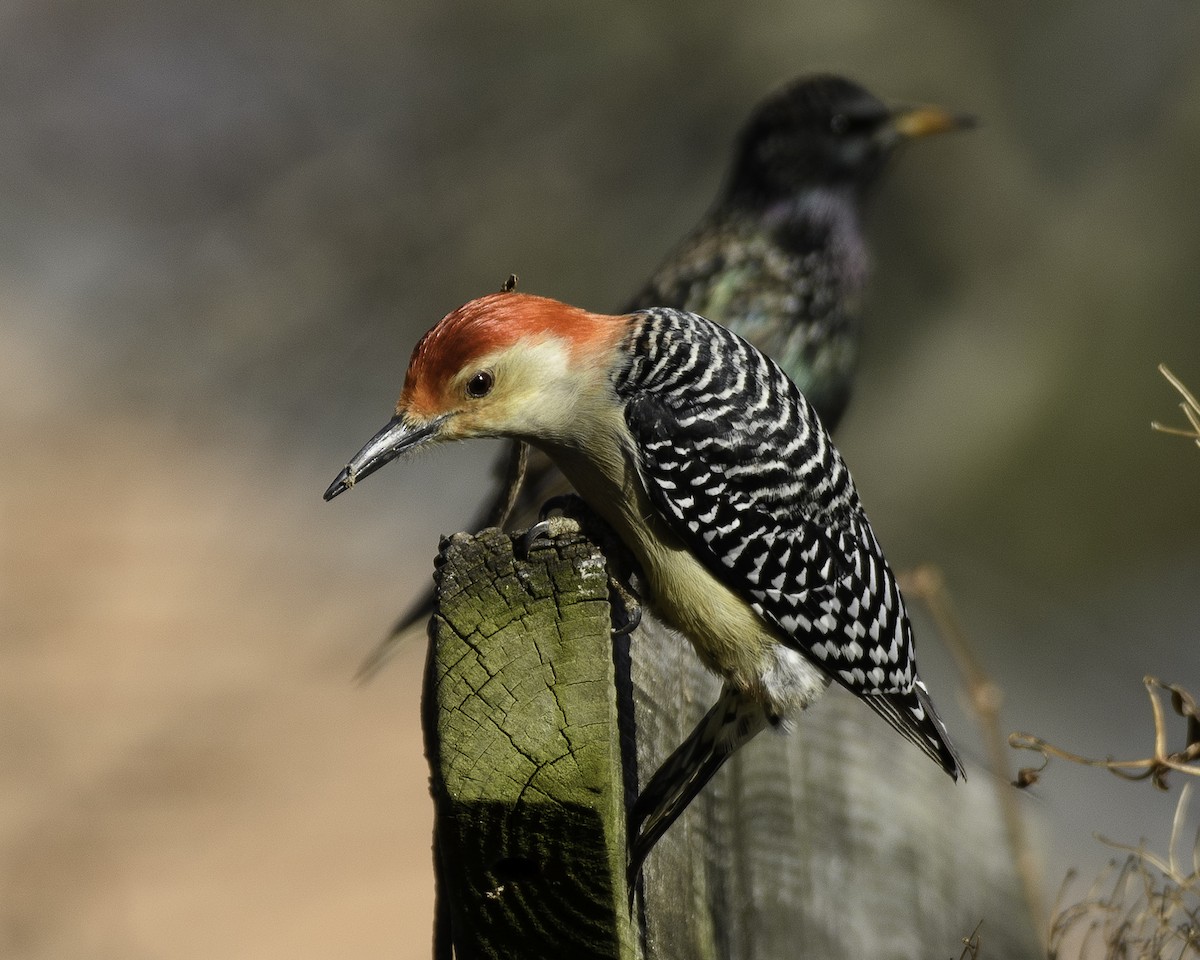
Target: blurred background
[224,225]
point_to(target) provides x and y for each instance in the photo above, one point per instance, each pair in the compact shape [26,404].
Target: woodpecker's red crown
[505,365]
[446,357]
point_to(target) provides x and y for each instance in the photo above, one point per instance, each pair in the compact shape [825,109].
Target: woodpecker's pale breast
[729,636]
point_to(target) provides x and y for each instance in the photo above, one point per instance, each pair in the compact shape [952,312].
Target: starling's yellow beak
[909,123]
[396,438]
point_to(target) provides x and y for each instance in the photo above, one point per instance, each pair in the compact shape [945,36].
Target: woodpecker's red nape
[487,325]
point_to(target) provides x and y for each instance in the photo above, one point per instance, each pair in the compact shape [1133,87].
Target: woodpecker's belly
[728,636]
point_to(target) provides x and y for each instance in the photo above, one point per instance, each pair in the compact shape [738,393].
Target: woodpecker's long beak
[909,123]
[396,438]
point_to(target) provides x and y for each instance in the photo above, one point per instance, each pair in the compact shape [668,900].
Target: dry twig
[1190,408]
[972,944]
[985,697]
[1155,767]
[1146,908]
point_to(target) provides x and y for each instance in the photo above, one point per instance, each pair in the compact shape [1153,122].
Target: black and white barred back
[741,468]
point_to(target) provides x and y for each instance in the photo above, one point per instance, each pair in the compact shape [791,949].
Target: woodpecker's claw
[575,518]
[572,514]
[567,505]
[626,606]
[548,529]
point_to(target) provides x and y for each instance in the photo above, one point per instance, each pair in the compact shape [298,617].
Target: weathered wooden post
[838,841]
[522,736]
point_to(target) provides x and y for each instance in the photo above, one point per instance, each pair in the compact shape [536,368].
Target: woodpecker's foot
[626,606]
[567,505]
[573,516]
[572,519]
[548,529]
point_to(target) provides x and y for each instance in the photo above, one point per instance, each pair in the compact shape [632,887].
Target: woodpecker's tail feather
[912,716]
[734,720]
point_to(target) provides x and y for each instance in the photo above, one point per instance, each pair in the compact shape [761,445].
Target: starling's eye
[480,385]
[839,123]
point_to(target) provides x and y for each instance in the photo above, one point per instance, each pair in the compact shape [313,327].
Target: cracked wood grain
[523,743]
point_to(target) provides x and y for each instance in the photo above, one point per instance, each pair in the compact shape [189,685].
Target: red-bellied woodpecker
[712,468]
[779,258]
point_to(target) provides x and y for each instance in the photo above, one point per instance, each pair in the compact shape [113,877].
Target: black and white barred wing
[742,471]
[829,595]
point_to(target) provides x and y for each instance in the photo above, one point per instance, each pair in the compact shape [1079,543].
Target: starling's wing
[744,474]
[786,288]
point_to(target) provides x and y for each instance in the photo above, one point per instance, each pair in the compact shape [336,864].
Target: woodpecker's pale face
[506,365]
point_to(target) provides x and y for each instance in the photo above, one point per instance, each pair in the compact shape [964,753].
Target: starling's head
[824,131]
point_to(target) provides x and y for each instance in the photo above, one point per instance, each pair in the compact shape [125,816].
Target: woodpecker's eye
[839,123]
[480,385]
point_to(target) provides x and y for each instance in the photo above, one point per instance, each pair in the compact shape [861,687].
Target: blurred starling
[780,259]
